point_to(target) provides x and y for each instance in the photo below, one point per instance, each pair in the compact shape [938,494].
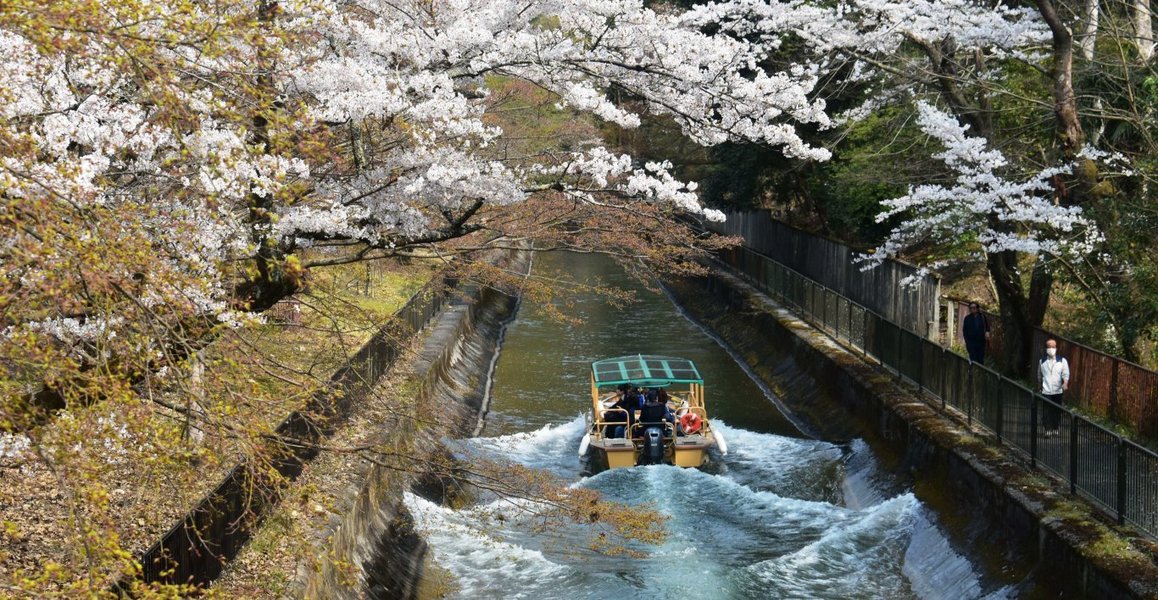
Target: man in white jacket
[1054,373]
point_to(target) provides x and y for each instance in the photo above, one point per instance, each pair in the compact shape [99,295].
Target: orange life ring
[690,422]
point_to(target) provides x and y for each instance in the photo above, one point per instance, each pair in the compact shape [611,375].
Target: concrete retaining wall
[995,500]
[373,535]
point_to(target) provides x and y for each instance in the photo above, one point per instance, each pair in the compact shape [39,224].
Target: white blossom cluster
[598,170]
[1003,214]
[178,180]
[72,330]
[880,26]
[871,42]
[395,63]
[427,65]
[86,141]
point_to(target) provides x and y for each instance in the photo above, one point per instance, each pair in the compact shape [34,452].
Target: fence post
[921,367]
[1001,410]
[900,350]
[944,386]
[864,333]
[1073,454]
[1033,430]
[824,307]
[896,298]
[1121,477]
[848,336]
[1114,392]
[969,395]
[950,322]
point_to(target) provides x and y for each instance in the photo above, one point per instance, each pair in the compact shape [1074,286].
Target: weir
[807,506]
[988,495]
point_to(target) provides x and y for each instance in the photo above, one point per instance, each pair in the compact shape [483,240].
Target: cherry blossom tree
[218,150]
[170,170]
[980,62]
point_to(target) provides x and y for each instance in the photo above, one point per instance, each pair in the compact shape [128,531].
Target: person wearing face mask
[1054,373]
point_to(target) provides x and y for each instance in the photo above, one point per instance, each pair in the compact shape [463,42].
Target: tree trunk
[1090,31]
[1065,107]
[977,116]
[1086,45]
[272,281]
[1020,313]
[1143,32]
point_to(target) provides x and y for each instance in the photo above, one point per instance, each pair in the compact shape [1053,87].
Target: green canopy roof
[645,371]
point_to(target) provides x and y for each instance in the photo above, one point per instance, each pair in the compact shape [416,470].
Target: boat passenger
[617,415]
[654,411]
[625,403]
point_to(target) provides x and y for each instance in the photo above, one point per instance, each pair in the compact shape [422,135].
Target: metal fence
[1108,386]
[831,263]
[1101,385]
[1100,465]
[195,550]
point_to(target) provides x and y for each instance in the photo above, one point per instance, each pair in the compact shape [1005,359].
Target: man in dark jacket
[975,332]
[654,411]
[624,409]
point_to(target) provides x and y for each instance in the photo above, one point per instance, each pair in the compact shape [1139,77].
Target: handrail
[1101,465]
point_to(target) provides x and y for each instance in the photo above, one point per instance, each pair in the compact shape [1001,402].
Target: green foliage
[741,176]
[879,156]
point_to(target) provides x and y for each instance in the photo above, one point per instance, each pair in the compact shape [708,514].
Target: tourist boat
[614,439]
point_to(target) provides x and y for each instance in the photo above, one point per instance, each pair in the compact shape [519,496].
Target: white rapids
[778,517]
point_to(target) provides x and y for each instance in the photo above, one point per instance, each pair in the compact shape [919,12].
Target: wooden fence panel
[834,265]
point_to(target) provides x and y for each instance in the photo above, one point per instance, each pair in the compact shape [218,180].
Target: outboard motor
[652,446]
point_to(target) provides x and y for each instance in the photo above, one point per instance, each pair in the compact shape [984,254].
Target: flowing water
[781,516]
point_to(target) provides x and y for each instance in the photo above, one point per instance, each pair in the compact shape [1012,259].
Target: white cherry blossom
[1004,214]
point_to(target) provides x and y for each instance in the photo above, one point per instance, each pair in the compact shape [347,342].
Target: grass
[314,334]
[140,464]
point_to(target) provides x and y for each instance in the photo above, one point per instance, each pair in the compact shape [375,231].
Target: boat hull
[627,424]
[689,452]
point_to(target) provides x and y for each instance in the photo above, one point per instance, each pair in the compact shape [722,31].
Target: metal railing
[1102,385]
[832,264]
[1113,472]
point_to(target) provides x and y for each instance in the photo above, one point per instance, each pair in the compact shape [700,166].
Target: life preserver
[690,422]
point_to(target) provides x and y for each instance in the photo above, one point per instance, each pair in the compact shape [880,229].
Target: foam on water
[755,526]
[476,557]
[552,447]
[864,483]
[932,565]
[789,466]
[858,558]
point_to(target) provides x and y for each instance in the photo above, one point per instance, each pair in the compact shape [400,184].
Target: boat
[615,439]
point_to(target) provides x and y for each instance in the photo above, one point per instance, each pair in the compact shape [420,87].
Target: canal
[783,515]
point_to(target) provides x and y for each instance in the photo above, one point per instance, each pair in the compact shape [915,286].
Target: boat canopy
[645,371]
